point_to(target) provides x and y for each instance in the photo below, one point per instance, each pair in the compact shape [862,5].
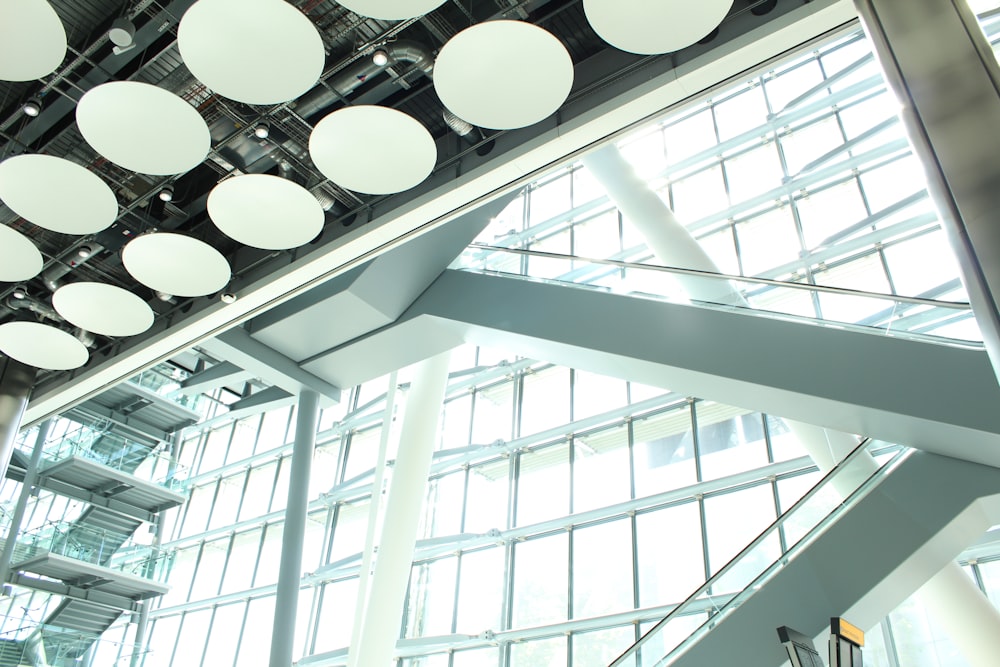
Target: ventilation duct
[403,51]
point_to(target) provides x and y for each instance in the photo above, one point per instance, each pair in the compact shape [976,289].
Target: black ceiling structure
[349,78]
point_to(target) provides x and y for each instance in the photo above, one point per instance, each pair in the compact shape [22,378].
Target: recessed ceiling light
[32,107]
[85,251]
[227,297]
[262,130]
[20,292]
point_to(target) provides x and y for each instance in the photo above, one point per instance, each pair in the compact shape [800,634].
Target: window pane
[547,652]
[664,452]
[431,600]
[671,564]
[730,440]
[602,569]
[540,581]
[598,649]
[543,484]
[480,595]
[733,520]
[601,469]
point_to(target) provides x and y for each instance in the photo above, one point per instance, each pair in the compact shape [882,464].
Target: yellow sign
[849,632]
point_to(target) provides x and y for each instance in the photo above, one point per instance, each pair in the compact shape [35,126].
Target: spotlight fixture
[166,194]
[122,32]
[20,292]
[227,297]
[32,107]
[380,58]
[261,130]
[85,251]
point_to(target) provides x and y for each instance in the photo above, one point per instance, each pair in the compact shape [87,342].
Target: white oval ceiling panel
[32,40]
[373,149]
[264,52]
[503,75]
[648,28]
[84,205]
[143,128]
[265,211]
[176,264]
[103,309]
[42,346]
[392,10]
[19,258]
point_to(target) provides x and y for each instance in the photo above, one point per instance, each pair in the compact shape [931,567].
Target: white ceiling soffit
[42,346]
[176,264]
[446,202]
[32,40]
[143,128]
[372,149]
[392,10]
[264,52]
[648,28]
[19,258]
[84,204]
[104,309]
[503,75]
[264,211]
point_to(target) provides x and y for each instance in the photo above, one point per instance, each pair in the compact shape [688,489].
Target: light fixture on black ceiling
[32,107]
[19,292]
[166,193]
[380,58]
[262,130]
[122,34]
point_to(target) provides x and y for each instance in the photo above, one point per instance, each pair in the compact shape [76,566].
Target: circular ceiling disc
[648,28]
[103,309]
[503,75]
[372,149]
[176,264]
[265,211]
[32,40]
[265,53]
[19,258]
[42,346]
[392,10]
[84,205]
[143,128]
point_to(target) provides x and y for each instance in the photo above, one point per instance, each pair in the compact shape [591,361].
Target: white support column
[948,596]
[387,594]
[293,535]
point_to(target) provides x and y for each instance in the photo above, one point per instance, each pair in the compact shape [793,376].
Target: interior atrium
[630,379]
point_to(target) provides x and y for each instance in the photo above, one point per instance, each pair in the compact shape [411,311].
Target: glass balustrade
[56,646]
[929,320]
[733,583]
[107,548]
[165,380]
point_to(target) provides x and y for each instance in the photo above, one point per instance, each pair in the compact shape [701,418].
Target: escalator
[859,557]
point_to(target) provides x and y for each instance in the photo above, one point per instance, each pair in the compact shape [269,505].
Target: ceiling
[348,78]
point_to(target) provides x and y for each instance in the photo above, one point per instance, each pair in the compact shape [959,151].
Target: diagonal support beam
[237,347]
[219,375]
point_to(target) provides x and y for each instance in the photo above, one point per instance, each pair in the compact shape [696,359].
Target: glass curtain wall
[567,511]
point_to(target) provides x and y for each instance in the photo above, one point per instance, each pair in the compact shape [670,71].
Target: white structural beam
[238,347]
[387,591]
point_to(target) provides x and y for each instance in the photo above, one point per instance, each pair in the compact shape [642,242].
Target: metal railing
[929,320]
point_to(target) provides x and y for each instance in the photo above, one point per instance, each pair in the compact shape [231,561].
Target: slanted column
[944,75]
[16,380]
[22,501]
[387,588]
[290,568]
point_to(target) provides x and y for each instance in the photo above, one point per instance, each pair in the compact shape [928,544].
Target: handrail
[809,287]
[763,536]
